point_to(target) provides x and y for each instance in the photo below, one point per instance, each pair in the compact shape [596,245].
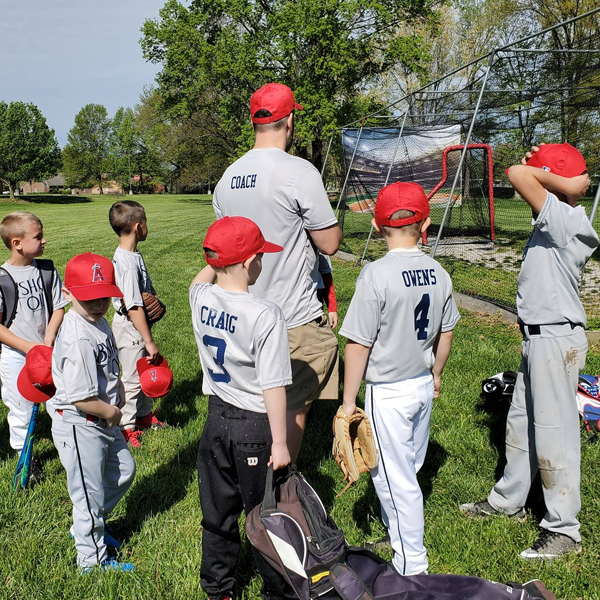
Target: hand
[577,186]
[280,456]
[153,353]
[528,155]
[437,382]
[333,320]
[349,407]
[49,339]
[115,419]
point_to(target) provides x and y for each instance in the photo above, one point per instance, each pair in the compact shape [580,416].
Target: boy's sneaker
[109,540]
[149,422]
[551,545]
[485,509]
[132,436]
[110,565]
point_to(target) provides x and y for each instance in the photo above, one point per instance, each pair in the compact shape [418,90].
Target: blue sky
[63,54]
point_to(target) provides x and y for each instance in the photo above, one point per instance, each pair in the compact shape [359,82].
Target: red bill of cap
[156,380]
[561,159]
[35,381]
[90,276]
[401,196]
[277,98]
[235,239]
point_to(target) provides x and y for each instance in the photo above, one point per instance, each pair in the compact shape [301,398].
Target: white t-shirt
[131,277]
[85,363]
[31,318]
[243,345]
[285,197]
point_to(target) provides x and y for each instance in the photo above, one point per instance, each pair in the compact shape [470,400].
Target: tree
[214,54]
[124,144]
[86,154]
[28,147]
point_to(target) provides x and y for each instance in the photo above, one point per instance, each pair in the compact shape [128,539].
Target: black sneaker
[485,509]
[551,545]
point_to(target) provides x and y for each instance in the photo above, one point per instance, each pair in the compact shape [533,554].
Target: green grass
[159,519]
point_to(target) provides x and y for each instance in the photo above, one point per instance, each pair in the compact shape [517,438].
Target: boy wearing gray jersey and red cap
[542,430]
[399,329]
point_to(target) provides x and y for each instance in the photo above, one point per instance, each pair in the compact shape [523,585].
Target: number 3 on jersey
[221,345]
[421,320]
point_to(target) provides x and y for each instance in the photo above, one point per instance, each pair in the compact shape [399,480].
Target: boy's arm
[441,351]
[275,401]
[53,325]
[98,408]
[8,338]
[137,315]
[207,275]
[355,364]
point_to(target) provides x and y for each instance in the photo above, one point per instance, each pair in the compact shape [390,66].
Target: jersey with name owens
[285,197]
[243,345]
[401,303]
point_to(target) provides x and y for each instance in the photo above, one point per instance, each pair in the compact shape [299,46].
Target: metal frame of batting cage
[491,58]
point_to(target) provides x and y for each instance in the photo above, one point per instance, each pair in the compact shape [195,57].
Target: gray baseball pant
[131,348]
[542,429]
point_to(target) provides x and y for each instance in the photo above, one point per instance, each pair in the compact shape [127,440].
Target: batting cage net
[457,135]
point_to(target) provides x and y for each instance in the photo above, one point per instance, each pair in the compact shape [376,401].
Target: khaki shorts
[315,364]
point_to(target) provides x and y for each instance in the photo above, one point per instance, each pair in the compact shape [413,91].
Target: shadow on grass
[196,200]
[55,199]
[179,407]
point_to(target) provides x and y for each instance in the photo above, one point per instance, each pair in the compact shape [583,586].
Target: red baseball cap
[561,159]
[89,276]
[35,381]
[235,239]
[401,196]
[277,98]
[156,380]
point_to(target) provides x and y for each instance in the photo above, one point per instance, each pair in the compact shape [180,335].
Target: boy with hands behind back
[399,329]
[245,359]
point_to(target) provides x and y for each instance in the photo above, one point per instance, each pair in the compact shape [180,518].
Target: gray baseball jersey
[243,345]
[285,197]
[560,244]
[402,301]
[85,363]
[131,277]
[31,318]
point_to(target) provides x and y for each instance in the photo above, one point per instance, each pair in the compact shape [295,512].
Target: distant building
[54,184]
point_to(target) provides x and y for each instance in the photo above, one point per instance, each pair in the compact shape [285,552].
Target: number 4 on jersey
[421,320]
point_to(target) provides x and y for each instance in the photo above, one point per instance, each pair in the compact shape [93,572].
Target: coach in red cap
[285,197]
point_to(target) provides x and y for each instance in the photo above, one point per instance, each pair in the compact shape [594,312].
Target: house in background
[54,184]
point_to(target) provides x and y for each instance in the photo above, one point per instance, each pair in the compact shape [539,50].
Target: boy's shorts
[315,363]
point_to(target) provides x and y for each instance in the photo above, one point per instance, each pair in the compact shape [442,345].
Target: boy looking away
[23,234]
[542,428]
[130,325]
[399,329]
[245,359]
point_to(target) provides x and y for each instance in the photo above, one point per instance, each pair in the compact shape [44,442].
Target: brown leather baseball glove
[154,308]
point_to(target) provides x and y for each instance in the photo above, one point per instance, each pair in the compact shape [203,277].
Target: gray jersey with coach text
[131,277]
[402,301]
[243,345]
[85,363]
[560,244]
[285,197]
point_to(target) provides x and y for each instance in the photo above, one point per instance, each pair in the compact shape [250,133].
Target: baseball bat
[23,466]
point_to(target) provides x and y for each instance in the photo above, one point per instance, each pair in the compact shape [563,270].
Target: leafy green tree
[86,155]
[28,147]
[215,53]
[124,145]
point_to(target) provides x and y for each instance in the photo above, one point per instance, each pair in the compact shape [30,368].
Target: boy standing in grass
[245,359]
[130,325]
[85,369]
[39,313]
[399,329]
[542,429]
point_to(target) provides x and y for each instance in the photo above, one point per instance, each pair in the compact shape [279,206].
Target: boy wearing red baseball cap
[245,359]
[89,396]
[543,421]
[399,329]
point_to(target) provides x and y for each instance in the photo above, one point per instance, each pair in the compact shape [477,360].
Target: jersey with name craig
[31,318]
[131,277]
[243,345]
[402,301]
[285,197]
[85,363]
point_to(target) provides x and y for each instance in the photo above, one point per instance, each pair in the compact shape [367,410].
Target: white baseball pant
[400,415]
[131,348]
[19,409]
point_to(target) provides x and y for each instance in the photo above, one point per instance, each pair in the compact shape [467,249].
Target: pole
[595,205]
[326,155]
[337,208]
[463,154]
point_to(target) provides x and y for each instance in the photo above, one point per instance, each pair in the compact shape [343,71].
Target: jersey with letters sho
[402,301]
[557,250]
[243,345]
[285,197]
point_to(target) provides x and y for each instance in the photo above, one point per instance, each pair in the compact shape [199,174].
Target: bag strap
[10,297]
[348,584]
[46,269]
[269,504]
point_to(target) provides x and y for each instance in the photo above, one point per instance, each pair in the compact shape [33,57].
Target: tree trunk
[11,191]
[317,154]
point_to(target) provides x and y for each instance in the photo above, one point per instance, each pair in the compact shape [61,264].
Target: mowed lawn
[159,519]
